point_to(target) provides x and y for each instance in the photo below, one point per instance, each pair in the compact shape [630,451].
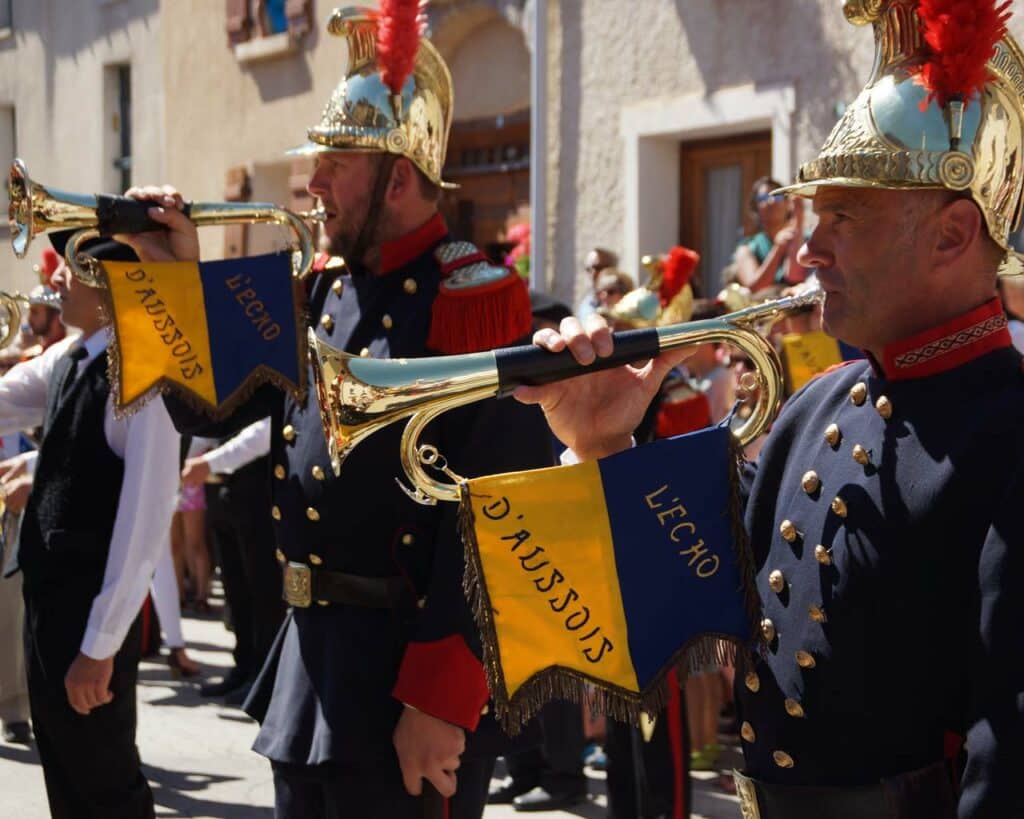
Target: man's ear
[960,227]
[402,177]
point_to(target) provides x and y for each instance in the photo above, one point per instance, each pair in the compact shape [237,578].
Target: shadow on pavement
[174,791]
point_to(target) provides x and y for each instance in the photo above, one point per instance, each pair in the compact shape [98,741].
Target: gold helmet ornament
[396,95]
[667,298]
[943,109]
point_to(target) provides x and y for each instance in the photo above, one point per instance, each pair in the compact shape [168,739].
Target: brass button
[782,759]
[776,582]
[323,602]
[327,322]
[288,433]
[805,659]
[767,630]
[810,482]
[839,506]
[364,353]
[788,531]
[279,472]
[884,407]
[279,555]
[486,709]
[823,555]
[410,286]
[747,732]
[858,393]
[817,613]
[752,681]
[832,435]
[793,708]
[312,514]
[275,512]
[318,473]
[387,321]
[337,286]
[421,603]
[408,539]
[315,560]
[860,455]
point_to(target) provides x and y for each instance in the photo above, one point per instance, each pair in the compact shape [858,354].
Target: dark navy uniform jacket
[886,513]
[336,678]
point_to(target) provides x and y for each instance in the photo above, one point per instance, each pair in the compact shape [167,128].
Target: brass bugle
[35,209]
[359,396]
[11,310]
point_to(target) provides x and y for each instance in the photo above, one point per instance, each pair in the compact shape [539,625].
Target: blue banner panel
[251,315]
[669,509]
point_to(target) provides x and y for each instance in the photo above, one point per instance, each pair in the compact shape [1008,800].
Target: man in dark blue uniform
[375,680]
[884,511]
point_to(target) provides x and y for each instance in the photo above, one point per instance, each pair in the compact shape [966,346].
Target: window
[249,21]
[274,19]
[117,140]
[8,143]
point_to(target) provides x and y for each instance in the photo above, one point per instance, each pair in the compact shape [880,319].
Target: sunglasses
[770,198]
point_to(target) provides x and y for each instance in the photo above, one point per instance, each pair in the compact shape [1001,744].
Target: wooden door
[716,176]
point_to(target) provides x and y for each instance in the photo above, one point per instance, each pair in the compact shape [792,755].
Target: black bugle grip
[122,214]
[534,365]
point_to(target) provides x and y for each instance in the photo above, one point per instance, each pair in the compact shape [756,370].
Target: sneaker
[19,732]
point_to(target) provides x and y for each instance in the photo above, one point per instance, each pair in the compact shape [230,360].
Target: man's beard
[349,239]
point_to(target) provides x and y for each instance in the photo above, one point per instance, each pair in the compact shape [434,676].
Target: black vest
[65,534]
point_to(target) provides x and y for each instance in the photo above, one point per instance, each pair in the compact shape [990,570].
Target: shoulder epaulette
[479,305]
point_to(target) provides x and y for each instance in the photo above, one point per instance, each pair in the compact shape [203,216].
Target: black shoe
[539,799]
[19,732]
[508,790]
[232,681]
[236,697]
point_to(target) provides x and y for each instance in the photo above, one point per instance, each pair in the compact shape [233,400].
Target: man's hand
[15,467]
[179,242]
[595,414]
[15,493]
[195,472]
[87,683]
[428,748]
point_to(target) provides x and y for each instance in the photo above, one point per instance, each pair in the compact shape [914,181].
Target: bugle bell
[358,396]
[11,310]
[35,209]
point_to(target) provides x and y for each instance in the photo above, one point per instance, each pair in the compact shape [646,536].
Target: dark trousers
[249,570]
[331,791]
[557,764]
[650,778]
[90,763]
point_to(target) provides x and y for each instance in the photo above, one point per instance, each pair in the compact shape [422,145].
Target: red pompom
[961,36]
[400,24]
[676,269]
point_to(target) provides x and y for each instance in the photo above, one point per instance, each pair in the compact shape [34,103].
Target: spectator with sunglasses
[769,256]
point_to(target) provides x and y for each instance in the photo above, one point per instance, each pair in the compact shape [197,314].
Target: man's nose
[813,253]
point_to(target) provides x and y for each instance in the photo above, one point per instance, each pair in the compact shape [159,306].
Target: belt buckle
[747,793]
[298,585]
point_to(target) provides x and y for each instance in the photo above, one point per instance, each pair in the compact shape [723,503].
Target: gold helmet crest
[901,134]
[364,113]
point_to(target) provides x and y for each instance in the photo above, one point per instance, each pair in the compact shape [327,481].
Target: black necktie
[74,355]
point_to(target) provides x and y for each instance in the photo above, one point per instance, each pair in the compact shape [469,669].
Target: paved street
[198,759]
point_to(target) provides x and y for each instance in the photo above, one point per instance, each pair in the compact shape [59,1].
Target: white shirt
[148,444]
[251,443]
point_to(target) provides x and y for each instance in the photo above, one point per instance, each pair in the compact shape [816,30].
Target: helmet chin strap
[366,235]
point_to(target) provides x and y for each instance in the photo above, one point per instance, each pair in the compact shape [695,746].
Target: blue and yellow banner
[209,331]
[805,355]
[608,573]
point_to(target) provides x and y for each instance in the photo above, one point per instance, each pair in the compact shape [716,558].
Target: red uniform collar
[403,250]
[949,345]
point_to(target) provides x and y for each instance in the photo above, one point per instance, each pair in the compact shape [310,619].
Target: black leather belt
[923,794]
[304,585]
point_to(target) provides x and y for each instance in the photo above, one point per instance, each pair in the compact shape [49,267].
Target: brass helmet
[667,298]
[364,114]
[901,134]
